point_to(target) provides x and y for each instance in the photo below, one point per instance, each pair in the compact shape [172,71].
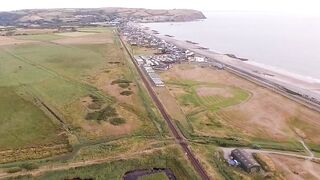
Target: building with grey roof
[246,160]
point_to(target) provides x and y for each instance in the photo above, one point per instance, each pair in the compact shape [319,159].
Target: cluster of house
[240,158]
[169,52]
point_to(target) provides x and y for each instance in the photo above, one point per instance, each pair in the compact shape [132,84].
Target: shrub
[256,146]
[95,106]
[118,81]
[117,121]
[29,166]
[14,170]
[123,85]
[92,116]
[126,93]
[103,114]
[107,112]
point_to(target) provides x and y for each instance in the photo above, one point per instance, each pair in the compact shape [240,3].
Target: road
[175,131]
[228,150]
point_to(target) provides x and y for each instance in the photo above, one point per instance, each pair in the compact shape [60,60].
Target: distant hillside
[83,16]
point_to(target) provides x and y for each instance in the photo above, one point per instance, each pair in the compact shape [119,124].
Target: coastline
[295,82]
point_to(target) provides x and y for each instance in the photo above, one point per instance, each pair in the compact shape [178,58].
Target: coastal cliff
[58,17]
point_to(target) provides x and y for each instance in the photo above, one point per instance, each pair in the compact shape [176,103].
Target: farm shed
[246,160]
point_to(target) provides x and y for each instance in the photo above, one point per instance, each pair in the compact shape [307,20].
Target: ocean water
[286,42]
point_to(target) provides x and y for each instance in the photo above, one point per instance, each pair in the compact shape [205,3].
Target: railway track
[175,131]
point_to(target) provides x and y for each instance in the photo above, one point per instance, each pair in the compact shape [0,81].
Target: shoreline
[304,85]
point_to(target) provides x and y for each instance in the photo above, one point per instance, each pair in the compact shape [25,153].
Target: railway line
[175,131]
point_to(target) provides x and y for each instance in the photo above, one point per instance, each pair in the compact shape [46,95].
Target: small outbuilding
[246,160]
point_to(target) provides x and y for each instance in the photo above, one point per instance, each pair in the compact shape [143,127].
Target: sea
[287,43]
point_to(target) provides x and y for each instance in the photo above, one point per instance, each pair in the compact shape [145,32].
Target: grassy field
[49,72]
[40,37]
[23,124]
[202,104]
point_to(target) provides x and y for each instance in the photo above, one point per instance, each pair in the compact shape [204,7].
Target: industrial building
[246,161]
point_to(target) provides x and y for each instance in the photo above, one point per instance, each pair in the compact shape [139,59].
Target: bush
[117,121]
[103,114]
[14,170]
[118,81]
[29,166]
[107,112]
[126,93]
[256,146]
[92,115]
[94,106]
[123,85]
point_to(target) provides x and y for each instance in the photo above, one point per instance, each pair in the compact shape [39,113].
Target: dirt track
[59,167]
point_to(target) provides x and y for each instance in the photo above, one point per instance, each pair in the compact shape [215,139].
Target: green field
[23,123]
[204,113]
[59,76]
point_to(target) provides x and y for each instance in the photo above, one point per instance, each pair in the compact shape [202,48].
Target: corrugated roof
[244,158]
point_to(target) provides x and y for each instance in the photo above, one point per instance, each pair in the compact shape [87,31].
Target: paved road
[175,131]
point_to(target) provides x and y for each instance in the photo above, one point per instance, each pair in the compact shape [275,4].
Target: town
[167,53]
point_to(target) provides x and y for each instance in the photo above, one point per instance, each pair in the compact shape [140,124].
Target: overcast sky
[309,7]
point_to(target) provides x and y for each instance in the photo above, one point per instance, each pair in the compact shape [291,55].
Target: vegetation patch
[126,93]
[29,166]
[124,85]
[96,102]
[103,114]
[118,81]
[117,121]
[14,170]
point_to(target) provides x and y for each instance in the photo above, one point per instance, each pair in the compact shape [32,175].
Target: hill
[58,17]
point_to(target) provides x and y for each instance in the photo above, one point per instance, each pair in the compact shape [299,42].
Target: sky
[304,7]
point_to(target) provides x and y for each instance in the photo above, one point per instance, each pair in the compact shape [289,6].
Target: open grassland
[51,82]
[216,106]
[22,124]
